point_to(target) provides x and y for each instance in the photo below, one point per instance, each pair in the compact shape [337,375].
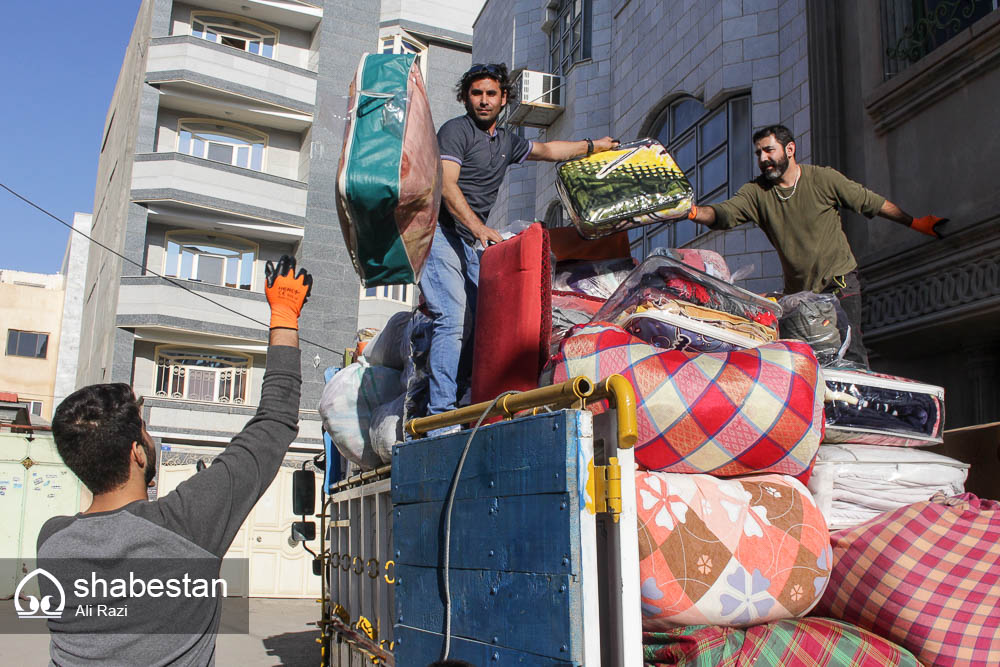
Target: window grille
[913,28]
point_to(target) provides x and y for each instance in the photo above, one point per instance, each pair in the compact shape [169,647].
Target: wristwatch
[590,146]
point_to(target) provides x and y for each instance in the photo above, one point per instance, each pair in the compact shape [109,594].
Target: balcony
[147,303]
[195,75]
[174,176]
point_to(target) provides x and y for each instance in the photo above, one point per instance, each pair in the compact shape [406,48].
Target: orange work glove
[928,225]
[286,292]
[693,213]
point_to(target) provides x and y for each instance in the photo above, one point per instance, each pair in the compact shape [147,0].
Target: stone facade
[645,55]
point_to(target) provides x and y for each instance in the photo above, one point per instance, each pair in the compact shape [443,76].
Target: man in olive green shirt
[797,206]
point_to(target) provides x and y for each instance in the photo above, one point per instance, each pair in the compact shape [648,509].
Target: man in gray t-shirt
[100,435]
[475,154]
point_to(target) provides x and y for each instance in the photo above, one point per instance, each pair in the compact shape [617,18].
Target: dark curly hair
[781,134]
[496,71]
[94,429]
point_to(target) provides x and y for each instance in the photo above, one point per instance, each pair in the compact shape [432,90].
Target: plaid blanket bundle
[926,576]
[726,414]
[804,642]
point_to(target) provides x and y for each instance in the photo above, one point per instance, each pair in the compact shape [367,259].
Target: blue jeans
[450,284]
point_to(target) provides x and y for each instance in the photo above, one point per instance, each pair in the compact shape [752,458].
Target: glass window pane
[684,231]
[243,156]
[197,148]
[232,272]
[246,270]
[41,345]
[267,50]
[661,127]
[184,142]
[187,261]
[713,172]
[684,114]
[257,157]
[713,133]
[659,238]
[26,344]
[370,291]
[220,153]
[634,234]
[11,341]
[253,47]
[173,252]
[741,162]
[685,155]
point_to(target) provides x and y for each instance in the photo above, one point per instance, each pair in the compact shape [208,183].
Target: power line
[149,271]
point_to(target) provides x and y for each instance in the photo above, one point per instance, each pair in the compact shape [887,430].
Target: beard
[773,170]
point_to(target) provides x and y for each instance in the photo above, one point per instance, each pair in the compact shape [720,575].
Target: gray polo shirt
[484,159]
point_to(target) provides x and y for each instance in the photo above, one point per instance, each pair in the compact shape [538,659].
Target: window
[36,408]
[235,31]
[712,147]
[406,44]
[400,293]
[554,216]
[221,141]
[569,36]
[216,259]
[27,344]
[195,375]
[913,28]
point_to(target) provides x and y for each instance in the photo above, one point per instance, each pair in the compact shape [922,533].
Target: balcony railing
[911,29]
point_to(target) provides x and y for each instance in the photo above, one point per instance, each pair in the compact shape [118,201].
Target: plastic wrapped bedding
[568,310]
[637,183]
[854,483]
[674,306]
[728,552]
[348,404]
[593,278]
[889,410]
[389,177]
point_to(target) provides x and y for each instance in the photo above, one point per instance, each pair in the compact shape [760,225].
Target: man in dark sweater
[100,435]
[797,206]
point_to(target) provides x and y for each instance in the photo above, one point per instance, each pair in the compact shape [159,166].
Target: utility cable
[150,271]
[449,504]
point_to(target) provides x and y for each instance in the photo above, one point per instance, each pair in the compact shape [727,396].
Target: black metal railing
[913,28]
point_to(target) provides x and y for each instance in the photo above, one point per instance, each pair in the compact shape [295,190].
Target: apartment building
[219,153]
[30,309]
[897,95]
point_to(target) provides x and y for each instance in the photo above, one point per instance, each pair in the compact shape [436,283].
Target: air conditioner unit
[536,100]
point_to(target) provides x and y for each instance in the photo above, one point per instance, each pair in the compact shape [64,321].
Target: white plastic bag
[391,345]
[386,428]
[349,399]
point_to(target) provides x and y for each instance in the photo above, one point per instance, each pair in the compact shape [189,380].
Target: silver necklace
[795,186]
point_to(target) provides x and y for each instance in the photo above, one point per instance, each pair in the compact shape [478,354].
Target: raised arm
[554,151]
[459,207]
[210,507]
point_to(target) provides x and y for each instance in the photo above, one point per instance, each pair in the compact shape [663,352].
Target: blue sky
[58,77]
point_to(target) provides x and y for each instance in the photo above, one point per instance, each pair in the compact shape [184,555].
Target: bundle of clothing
[363,405]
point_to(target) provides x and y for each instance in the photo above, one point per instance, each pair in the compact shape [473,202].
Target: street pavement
[281,633]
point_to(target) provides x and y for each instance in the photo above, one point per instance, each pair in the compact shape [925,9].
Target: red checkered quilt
[926,576]
[804,642]
[724,413]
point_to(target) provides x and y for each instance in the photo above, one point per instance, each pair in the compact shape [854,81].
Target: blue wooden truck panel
[515,544]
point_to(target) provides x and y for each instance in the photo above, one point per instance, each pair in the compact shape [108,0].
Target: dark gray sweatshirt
[198,520]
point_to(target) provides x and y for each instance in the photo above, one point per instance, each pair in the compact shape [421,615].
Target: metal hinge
[608,488]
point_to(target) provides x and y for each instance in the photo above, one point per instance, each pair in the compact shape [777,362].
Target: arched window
[405,44]
[712,146]
[201,375]
[216,259]
[235,31]
[222,141]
